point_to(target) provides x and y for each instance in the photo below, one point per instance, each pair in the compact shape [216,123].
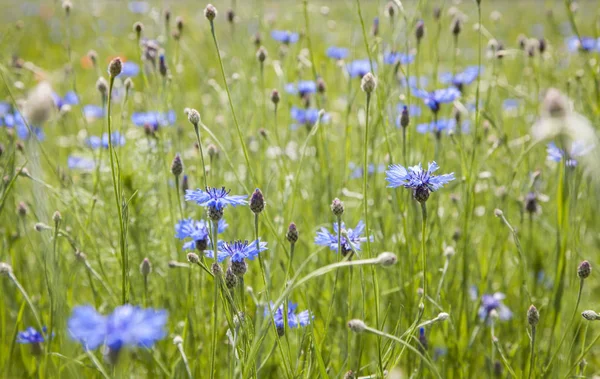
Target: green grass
[113,217]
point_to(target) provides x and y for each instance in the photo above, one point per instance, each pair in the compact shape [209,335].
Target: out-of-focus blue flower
[437,97]
[238,250]
[462,78]
[130,69]
[578,149]
[138,7]
[87,327]
[412,82]
[360,67]
[70,98]
[494,302]
[302,88]
[197,231]
[154,119]
[396,57]
[80,163]
[307,117]
[96,142]
[93,112]
[4,108]
[416,178]
[217,198]
[126,326]
[284,36]
[325,238]
[442,125]
[338,53]
[31,336]
[510,104]
[294,320]
[15,120]
[357,171]
[586,44]
[413,110]
[135,327]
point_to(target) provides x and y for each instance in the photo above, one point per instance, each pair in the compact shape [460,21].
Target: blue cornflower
[96,142]
[302,88]
[215,200]
[93,112]
[510,104]
[578,149]
[357,171]
[396,57]
[586,44]
[130,69]
[126,326]
[31,336]
[80,163]
[198,232]
[338,53]
[359,68]
[493,302]
[4,108]
[307,117]
[442,125]
[462,78]
[70,98]
[437,97]
[154,119]
[284,36]
[15,120]
[139,7]
[412,81]
[294,320]
[325,238]
[238,250]
[420,181]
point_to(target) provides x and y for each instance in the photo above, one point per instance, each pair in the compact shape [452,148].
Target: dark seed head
[584,270]
[177,165]
[292,233]
[257,201]
[421,194]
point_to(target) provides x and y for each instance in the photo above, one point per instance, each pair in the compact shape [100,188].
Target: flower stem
[215,303]
[423,248]
[532,361]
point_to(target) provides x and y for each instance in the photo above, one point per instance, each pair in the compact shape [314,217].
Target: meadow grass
[440,287]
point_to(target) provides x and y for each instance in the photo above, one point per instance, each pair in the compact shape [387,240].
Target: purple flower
[395,57]
[422,182]
[284,36]
[302,88]
[154,119]
[359,68]
[437,97]
[307,117]
[130,69]
[31,336]
[586,44]
[493,302]
[238,250]
[338,53]
[197,231]
[217,198]
[87,327]
[325,238]
[294,320]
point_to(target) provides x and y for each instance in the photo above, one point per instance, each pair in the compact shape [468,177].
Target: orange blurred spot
[86,62]
[46,12]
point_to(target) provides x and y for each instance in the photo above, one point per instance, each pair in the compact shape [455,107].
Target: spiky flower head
[210,12]
[115,67]
[422,182]
[584,270]
[292,233]
[368,83]
[357,326]
[533,316]
[177,165]
[337,207]
[257,201]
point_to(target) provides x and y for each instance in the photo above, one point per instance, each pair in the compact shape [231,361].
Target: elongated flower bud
[357,326]
[368,83]
[115,67]
[584,270]
[533,316]
[337,207]
[210,12]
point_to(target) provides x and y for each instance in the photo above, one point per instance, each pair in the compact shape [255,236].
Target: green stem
[423,247]
[215,302]
[532,361]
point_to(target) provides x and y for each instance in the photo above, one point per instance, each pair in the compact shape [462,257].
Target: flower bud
[193,258]
[177,165]
[368,83]
[261,54]
[128,84]
[292,233]
[498,212]
[257,201]
[584,270]
[443,316]
[590,315]
[404,117]
[67,6]
[102,86]
[210,12]
[115,67]
[387,259]
[5,268]
[177,340]
[194,117]
[138,27]
[179,24]
[533,316]
[419,30]
[230,278]
[56,217]
[357,326]
[275,97]
[337,207]
[145,267]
